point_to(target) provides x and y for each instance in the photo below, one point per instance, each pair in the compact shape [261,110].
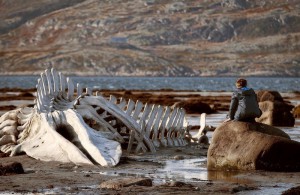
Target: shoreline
[168,173]
[59,178]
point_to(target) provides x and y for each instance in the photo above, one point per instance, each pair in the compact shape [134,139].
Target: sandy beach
[176,170]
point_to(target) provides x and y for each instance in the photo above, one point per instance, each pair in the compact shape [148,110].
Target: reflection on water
[228,176]
[196,170]
[187,170]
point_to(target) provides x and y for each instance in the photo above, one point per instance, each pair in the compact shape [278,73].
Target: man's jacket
[244,105]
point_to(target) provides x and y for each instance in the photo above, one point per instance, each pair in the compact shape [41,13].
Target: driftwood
[75,124]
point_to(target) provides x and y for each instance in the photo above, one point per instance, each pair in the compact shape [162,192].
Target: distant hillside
[151,37]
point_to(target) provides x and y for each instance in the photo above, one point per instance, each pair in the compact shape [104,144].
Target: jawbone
[64,136]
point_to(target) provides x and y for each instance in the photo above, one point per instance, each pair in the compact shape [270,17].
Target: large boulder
[252,146]
[276,114]
[265,95]
[275,111]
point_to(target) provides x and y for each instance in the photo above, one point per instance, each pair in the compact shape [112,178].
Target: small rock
[50,186]
[119,183]
[74,190]
[238,189]
[241,188]
[178,157]
[177,184]
[2,155]
[12,168]
[209,183]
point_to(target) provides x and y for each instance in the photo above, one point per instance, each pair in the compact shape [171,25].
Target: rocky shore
[143,173]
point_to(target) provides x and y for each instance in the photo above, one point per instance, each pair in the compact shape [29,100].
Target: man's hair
[241,83]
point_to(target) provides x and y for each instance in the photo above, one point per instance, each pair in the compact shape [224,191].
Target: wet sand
[188,174]
[54,177]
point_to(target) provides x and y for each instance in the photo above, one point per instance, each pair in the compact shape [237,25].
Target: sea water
[281,84]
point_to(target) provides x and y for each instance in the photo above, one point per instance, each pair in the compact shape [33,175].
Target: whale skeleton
[83,127]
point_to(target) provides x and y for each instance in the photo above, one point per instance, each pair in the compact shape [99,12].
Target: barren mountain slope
[151,37]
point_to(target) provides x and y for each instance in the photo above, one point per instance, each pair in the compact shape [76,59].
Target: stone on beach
[125,182]
[274,110]
[252,146]
[265,95]
[11,168]
[276,113]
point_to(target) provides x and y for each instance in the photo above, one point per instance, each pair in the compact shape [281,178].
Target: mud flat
[179,170]
[169,176]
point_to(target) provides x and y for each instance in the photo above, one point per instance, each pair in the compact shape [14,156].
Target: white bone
[7,148]
[130,107]
[138,107]
[70,89]
[49,79]
[89,91]
[10,115]
[6,139]
[122,103]
[162,127]
[9,130]
[55,82]
[121,115]
[156,126]
[202,125]
[112,99]
[169,125]
[8,122]
[79,89]
[44,143]
[145,115]
[150,120]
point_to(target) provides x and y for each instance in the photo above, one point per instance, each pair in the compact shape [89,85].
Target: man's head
[240,83]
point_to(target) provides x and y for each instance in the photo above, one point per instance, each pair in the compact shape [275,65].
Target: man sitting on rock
[244,105]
